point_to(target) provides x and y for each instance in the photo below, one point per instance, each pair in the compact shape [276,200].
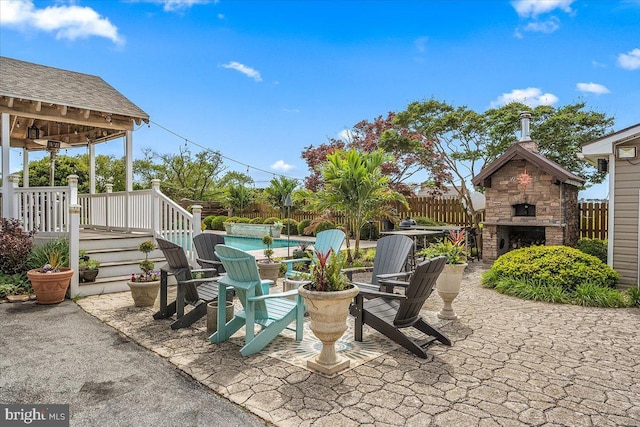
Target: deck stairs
[118,255]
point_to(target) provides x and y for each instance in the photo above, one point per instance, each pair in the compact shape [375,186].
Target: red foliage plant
[15,246]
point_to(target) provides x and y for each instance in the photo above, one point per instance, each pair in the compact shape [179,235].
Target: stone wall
[556,208]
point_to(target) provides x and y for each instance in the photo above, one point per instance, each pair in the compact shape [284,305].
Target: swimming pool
[255,243]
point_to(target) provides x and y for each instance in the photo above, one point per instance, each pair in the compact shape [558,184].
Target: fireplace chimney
[525,138]
[525,120]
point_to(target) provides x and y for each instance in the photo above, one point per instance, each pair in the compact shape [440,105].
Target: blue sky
[260,80]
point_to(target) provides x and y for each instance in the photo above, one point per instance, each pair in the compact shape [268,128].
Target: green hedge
[559,265]
[595,247]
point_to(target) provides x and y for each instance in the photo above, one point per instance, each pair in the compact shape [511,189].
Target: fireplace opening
[524,209]
[523,237]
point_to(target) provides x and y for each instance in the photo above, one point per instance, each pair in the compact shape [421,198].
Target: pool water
[255,243]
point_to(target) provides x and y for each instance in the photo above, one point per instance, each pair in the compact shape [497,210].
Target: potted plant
[146,285]
[327,298]
[295,281]
[269,268]
[448,282]
[87,268]
[51,280]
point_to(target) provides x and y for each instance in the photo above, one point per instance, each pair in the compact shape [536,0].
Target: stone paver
[512,363]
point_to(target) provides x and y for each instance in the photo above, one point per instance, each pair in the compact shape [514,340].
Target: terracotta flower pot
[328,313]
[144,294]
[50,288]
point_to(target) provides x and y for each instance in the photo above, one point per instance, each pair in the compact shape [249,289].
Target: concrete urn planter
[448,287]
[144,294]
[269,270]
[328,313]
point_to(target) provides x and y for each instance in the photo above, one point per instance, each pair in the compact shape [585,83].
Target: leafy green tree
[465,140]
[354,184]
[183,175]
[277,191]
[65,166]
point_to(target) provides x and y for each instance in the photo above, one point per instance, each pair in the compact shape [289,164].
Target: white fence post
[13,201]
[74,247]
[196,224]
[155,207]
[73,189]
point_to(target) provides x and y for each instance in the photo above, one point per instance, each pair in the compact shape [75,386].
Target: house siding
[626,189]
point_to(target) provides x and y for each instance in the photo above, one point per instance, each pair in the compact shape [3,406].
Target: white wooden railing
[61,211]
[143,210]
[45,209]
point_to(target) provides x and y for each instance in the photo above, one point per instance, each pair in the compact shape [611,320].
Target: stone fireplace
[531,200]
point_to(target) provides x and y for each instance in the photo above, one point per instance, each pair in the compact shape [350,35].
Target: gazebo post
[129,160]
[25,168]
[92,168]
[7,202]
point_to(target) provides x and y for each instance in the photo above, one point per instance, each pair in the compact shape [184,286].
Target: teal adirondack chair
[325,240]
[273,312]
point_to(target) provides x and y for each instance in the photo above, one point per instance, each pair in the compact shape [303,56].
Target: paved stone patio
[513,363]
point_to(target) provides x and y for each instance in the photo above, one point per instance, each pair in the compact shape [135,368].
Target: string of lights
[202,147]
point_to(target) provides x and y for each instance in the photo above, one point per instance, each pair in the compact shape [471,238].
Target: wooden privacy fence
[593,215]
[593,219]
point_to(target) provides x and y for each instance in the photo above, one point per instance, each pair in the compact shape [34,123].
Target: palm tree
[277,192]
[355,185]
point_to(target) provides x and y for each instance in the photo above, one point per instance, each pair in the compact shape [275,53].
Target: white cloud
[67,22]
[280,165]
[247,71]
[421,43]
[592,88]
[598,64]
[547,27]
[175,5]
[533,8]
[291,110]
[531,96]
[630,60]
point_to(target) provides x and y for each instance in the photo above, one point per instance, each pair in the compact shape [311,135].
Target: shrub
[217,223]
[557,274]
[271,220]
[559,265]
[324,225]
[257,220]
[208,221]
[369,231]
[232,219]
[302,225]
[243,220]
[293,226]
[595,247]
[15,246]
[422,220]
[633,297]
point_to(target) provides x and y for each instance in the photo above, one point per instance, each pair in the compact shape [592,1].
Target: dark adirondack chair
[391,256]
[190,291]
[390,313]
[205,244]
[273,312]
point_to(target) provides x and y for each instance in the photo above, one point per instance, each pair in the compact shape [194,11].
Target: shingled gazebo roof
[74,108]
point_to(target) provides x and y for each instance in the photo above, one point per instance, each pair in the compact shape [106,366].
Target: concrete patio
[513,363]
